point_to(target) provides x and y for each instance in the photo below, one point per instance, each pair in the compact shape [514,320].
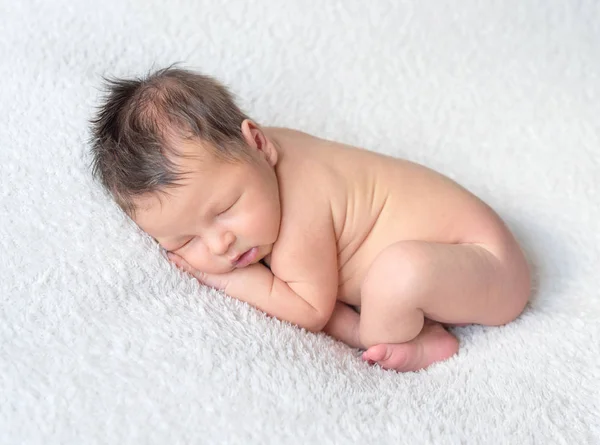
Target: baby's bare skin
[377,201]
[360,229]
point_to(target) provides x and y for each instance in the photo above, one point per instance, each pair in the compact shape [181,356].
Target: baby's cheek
[199,258]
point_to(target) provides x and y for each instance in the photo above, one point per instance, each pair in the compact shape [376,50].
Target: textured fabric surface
[103,342]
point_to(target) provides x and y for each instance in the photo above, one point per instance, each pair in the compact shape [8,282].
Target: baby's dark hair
[136,129]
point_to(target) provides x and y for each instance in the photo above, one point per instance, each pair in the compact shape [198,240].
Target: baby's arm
[342,324]
[301,286]
[306,304]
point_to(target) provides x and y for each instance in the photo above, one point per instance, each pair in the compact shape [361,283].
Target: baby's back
[377,200]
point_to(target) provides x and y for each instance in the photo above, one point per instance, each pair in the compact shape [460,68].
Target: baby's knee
[516,297]
[396,273]
[515,286]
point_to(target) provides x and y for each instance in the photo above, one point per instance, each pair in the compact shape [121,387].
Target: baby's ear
[253,134]
[257,140]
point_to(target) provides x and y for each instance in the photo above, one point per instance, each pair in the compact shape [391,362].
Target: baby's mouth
[246,258]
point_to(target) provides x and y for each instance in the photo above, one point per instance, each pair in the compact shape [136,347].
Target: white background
[101,341]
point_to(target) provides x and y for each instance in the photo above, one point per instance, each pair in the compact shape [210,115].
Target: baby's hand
[218,281]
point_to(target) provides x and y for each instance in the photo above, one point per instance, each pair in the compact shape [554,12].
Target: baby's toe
[401,357]
[377,353]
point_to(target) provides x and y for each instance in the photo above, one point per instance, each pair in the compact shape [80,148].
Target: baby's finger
[178,261]
[172,258]
[184,265]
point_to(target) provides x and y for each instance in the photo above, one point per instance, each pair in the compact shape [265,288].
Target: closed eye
[227,209]
[183,245]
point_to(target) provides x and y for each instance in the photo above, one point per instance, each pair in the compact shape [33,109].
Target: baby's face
[220,212]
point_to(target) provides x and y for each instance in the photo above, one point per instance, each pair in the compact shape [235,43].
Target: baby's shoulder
[306,169]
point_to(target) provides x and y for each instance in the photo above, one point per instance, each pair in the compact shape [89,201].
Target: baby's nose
[222,243]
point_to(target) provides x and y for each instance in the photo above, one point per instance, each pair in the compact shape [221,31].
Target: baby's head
[188,166]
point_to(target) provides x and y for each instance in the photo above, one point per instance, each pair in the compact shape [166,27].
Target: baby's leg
[343,325]
[449,283]
[433,344]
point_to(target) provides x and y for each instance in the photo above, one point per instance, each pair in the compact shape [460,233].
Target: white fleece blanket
[103,342]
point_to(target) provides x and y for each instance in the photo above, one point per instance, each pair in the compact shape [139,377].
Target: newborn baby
[378,252]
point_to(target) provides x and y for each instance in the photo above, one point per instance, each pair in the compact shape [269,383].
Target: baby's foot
[433,344]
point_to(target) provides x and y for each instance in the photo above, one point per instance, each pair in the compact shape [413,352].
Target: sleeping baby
[378,252]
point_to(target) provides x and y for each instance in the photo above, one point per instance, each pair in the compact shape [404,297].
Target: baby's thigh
[450,283]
